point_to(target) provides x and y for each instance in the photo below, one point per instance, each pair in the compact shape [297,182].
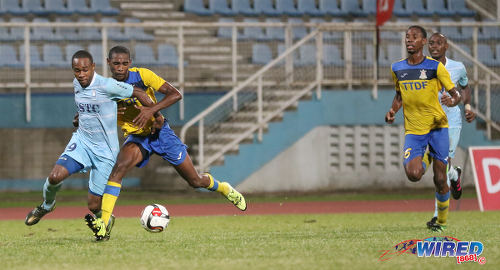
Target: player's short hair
[82,54]
[439,34]
[422,30]
[118,49]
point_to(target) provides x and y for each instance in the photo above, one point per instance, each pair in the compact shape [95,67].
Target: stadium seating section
[52,46]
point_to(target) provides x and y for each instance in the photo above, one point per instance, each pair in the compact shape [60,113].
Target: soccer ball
[155,218]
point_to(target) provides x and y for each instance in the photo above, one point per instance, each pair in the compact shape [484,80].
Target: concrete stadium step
[243,116]
[221,136]
[233,126]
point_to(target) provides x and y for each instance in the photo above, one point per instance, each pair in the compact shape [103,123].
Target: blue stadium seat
[261,54]
[331,8]
[167,55]
[362,57]
[399,10]
[467,32]
[53,56]
[369,7]
[489,32]
[71,49]
[80,6]
[88,33]
[298,32]
[66,33]
[8,57]
[43,33]
[34,7]
[395,52]
[57,7]
[115,33]
[144,55]
[417,7]
[251,32]
[332,56]
[439,8]
[352,8]
[17,33]
[274,33]
[458,6]
[287,7]
[243,7]
[197,7]
[282,49]
[265,7]
[497,54]
[331,35]
[4,32]
[452,32]
[309,7]
[95,49]
[34,56]
[362,35]
[307,55]
[485,55]
[136,32]
[220,7]
[12,7]
[225,32]
[103,7]
[459,57]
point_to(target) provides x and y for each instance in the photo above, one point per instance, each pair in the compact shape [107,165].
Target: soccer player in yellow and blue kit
[418,80]
[155,138]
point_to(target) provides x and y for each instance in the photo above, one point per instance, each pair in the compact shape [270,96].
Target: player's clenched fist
[389,116]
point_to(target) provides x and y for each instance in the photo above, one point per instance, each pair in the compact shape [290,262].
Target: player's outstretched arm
[397,102]
[147,103]
[172,95]
[466,99]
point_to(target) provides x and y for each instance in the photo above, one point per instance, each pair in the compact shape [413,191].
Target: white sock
[452,174]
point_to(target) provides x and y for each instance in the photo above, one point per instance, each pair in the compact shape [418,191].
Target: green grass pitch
[327,241]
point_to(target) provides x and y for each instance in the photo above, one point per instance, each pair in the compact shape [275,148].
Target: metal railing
[236,52]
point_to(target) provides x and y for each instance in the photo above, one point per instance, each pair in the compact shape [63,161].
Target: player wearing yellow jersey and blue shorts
[438,45]
[155,138]
[418,80]
[94,146]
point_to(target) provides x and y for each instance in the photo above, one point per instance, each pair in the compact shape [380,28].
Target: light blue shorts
[454,134]
[100,167]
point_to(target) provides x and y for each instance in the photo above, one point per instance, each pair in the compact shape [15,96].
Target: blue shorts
[165,144]
[437,140]
[77,157]
[454,134]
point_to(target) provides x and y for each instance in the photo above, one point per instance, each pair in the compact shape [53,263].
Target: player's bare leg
[414,169]
[442,197]
[187,171]
[130,154]
[52,185]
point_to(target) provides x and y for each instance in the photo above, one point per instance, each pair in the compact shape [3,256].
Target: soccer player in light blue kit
[437,48]
[94,146]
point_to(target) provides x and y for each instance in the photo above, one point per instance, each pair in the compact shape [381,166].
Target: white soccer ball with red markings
[155,218]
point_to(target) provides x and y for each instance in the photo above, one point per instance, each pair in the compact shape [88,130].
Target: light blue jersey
[95,144]
[458,76]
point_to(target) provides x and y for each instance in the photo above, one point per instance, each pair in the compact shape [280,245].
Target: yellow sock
[111,193]
[217,186]
[426,160]
[443,203]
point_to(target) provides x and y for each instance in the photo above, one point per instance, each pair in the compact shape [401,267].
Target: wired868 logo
[445,246]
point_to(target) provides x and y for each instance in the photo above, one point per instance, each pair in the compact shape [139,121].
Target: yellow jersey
[419,86]
[150,82]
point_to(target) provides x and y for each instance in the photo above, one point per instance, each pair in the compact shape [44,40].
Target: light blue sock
[49,194]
